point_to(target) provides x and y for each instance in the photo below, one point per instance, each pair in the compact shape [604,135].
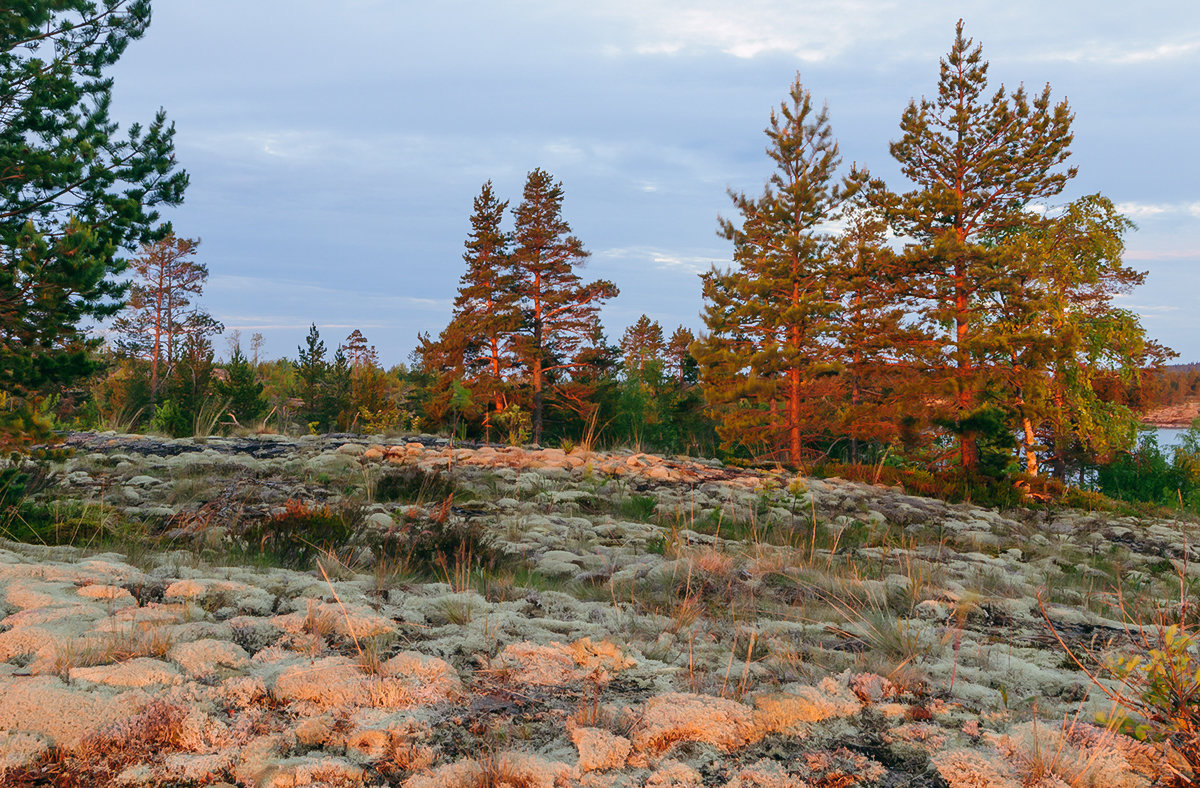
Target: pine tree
[643,347]
[976,162]
[764,360]
[560,328]
[358,351]
[873,332]
[476,346]
[242,388]
[160,314]
[312,372]
[336,402]
[680,364]
[75,195]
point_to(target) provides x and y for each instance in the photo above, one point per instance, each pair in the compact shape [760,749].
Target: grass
[297,535]
[117,646]
[636,508]
[86,525]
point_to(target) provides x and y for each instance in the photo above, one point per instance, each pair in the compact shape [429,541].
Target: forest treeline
[965,325]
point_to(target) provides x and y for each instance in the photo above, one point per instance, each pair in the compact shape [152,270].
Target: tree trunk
[537,400]
[1031,462]
[967,447]
[794,405]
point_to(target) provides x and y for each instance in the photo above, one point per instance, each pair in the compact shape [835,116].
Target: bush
[296,535]
[1155,683]
[436,546]
[413,485]
[171,419]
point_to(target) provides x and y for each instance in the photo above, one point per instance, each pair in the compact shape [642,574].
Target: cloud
[1126,54]
[1143,210]
[815,31]
[281,290]
[1145,308]
[665,259]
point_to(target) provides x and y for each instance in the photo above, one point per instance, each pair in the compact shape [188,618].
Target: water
[1168,437]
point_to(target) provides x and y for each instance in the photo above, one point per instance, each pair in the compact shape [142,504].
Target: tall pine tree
[560,326]
[765,359]
[75,197]
[976,162]
[873,332]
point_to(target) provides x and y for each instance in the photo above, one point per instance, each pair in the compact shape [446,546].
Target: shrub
[429,547]
[1155,682]
[170,418]
[413,485]
[1144,474]
[296,535]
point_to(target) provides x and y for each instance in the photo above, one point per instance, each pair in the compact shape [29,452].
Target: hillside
[595,619]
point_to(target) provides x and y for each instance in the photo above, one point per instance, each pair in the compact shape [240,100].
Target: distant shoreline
[1173,416]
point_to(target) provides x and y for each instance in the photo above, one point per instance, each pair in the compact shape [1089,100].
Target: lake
[1167,436]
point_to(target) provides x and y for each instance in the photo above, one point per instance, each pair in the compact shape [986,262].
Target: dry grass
[118,646]
[99,759]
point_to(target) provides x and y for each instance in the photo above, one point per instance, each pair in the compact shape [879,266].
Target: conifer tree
[474,351]
[160,314]
[336,406]
[357,351]
[312,372]
[642,347]
[76,195]
[976,162]
[877,340]
[241,387]
[764,357]
[560,326]
[679,362]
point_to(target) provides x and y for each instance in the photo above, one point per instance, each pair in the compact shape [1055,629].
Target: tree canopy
[75,193]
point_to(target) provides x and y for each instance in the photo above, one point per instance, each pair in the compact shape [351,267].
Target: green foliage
[312,373]
[75,193]
[1165,678]
[242,388]
[69,523]
[171,419]
[560,332]
[516,422]
[991,428]
[1148,475]
[1154,680]
[637,508]
[764,361]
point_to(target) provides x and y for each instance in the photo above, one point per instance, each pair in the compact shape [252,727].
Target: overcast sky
[335,148]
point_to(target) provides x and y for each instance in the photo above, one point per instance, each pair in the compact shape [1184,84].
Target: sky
[335,148]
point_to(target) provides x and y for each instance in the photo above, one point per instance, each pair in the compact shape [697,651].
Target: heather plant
[298,534]
[430,547]
[412,485]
